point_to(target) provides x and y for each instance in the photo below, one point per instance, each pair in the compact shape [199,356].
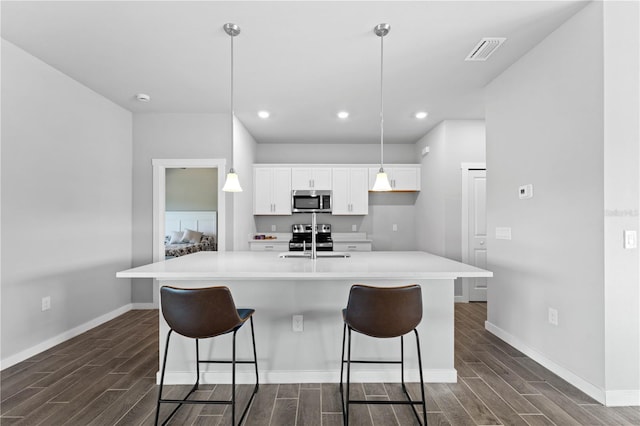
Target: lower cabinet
[279,247]
[351,246]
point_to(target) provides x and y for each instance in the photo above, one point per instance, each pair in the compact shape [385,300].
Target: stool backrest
[384,311]
[199,312]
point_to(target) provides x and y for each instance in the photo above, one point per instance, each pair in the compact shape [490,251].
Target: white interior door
[477,231]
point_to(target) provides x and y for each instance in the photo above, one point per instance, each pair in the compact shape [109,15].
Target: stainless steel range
[302,237]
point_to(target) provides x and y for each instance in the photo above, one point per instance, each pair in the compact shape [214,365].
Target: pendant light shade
[232,183]
[382,180]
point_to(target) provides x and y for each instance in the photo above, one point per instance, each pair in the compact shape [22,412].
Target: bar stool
[382,312]
[199,314]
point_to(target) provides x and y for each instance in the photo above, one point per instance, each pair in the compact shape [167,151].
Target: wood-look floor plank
[404,413]
[450,405]
[188,413]
[284,412]
[74,384]
[309,412]
[560,399]
[359,415]
[509,394]
[262,407]
[491,399]
[477,409]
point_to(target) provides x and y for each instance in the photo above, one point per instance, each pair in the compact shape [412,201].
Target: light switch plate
[503,233]
[630,239]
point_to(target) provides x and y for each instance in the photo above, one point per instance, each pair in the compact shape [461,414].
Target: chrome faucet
[314,231]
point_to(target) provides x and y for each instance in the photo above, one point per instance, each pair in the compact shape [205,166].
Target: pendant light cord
[381,103]
[231,156]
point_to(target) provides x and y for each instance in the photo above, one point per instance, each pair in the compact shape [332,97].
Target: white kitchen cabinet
[401,178]
[311,178]
[272,190]
[346,246]
[269,246]
[350,191]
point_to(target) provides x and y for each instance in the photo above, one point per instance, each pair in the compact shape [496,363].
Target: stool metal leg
[346,412]
[164,365]
[255,357]
[233,380]
[424,403]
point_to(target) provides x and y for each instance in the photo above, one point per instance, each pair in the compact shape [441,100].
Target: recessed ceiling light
[421,115]
[343,114]
[143,97]
[263,114]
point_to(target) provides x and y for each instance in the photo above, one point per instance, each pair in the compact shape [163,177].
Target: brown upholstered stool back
[384,311]
[199,313]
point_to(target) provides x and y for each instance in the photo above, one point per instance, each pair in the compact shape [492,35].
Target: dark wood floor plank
[188,413]
[451,407]
[560,399]
[331,398]
[563,386]
[502,388]
[284,412]
[94,409]
[263,404]
[287,390]
[477,409]
[309,413]
[630,414]
[127,400]
[551,410]
[403,413]
[607,415]
[172,392]
[382,415]
[537,420]
[220,393]
[243,394]
[506,374]
[73,383]
[491,399]
[359,415]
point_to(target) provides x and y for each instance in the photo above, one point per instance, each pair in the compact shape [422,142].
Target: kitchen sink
[307,255]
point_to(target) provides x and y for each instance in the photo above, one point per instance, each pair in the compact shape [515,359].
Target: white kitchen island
[318,289]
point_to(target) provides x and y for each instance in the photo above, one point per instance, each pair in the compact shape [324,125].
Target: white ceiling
[301,60]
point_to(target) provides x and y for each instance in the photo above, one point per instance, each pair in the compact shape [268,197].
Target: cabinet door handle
[268,247]
[351,247]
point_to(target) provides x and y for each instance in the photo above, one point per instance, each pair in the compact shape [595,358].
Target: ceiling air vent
[485,48]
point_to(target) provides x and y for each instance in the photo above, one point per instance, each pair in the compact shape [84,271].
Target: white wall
[621,201]
[439,204]
[66,204]
[545,126]
[194,189]
[334,153]
[244,155]
[169,136]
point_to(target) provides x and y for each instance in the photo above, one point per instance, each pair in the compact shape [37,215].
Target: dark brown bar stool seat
[382,312]
[199,314]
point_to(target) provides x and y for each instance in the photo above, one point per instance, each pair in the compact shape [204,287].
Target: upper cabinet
[272,190]
[350,191]
[401,178]
[311,178]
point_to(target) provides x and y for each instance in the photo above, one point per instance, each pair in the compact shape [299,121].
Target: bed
[189,232]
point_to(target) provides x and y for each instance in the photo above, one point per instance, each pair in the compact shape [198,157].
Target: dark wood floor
[106,377]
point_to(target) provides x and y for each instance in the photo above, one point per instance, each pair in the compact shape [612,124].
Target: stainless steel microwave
[310,201]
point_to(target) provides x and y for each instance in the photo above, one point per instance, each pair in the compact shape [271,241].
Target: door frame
[465,167]
[160,165]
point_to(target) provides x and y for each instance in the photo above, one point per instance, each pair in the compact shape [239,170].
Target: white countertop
[248,265]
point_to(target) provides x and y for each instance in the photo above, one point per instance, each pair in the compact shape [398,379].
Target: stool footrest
[225,362]
[364,401]
[364,361]
[193,401]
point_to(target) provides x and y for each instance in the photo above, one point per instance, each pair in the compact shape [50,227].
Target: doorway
[474,228]
[160,167]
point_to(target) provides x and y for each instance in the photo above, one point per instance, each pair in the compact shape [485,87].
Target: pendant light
[232,184]
[382,180]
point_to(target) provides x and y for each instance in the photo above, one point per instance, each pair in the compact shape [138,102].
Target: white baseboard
[622,398]
[586,387]
[460,299]
[49,343]
[248,377]
[143,306]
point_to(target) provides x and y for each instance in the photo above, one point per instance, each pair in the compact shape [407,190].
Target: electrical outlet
[354,228]
[273,228]
[553,316]
[46,303]
[630,239]
[298,323]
